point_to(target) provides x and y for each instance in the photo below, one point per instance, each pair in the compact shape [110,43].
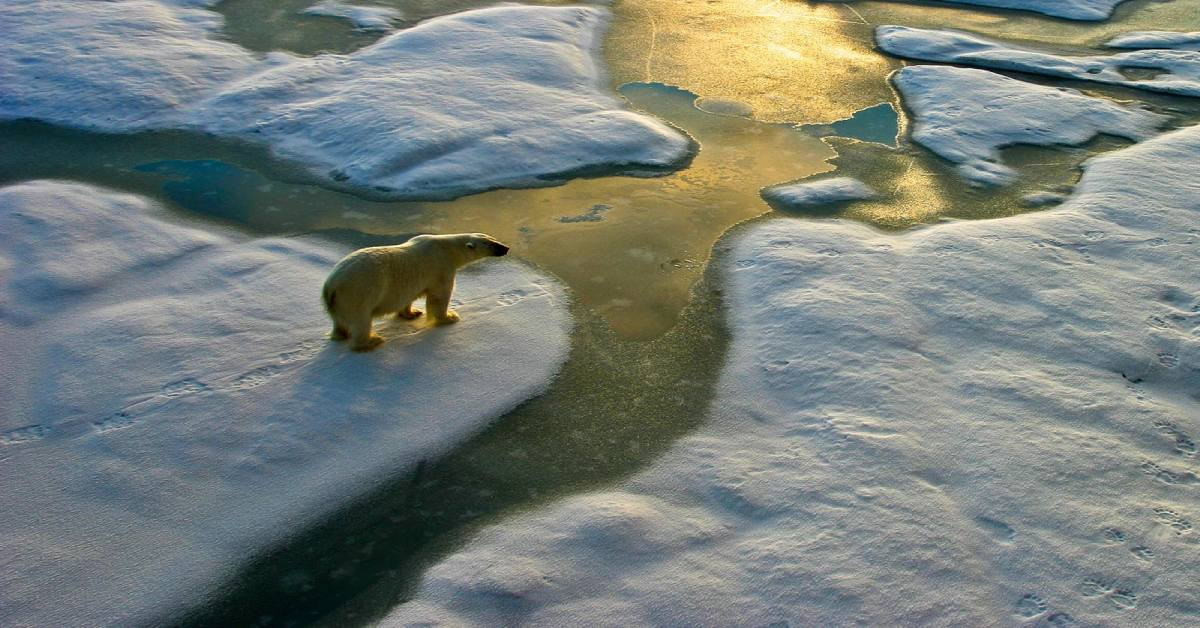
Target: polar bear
[381,280]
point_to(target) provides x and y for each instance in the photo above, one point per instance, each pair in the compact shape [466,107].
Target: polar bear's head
[468,247]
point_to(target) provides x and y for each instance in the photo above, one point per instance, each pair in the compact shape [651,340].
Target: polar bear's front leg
[408,312]
[437,301]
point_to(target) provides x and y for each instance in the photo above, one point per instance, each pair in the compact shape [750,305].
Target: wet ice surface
[364,17]
[172,405]
[1169,71]
[984,422]
[504,97]
[966,115]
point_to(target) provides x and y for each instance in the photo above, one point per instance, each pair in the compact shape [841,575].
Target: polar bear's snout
[500,249]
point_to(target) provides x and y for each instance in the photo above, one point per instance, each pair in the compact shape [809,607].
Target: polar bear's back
[378,277]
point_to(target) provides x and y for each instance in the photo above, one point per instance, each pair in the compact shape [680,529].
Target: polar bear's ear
[470,245]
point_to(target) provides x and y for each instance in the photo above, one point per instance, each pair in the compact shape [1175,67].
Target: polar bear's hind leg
[362,338]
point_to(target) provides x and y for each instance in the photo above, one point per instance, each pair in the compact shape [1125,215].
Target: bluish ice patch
[593,214]
[207,186]
[879,124]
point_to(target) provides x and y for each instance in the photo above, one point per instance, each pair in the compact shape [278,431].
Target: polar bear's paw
[409,314]
[371,342]
[450,317]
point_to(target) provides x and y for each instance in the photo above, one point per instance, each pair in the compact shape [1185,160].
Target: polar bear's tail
[328,296]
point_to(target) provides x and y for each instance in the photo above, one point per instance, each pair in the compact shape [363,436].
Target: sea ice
[966,115]
[808,194]
[172,406]
[973,423]
[510,96]
[1092,10]
[1169,71]
[118,66]
[367,18]
[1156,39]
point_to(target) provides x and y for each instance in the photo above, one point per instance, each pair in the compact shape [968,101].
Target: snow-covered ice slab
[1156,39]
[120,66]
[364,17]
[171,404]
[1168,71]
[966,115]
[511,96]
[976,423]
[807,194]
[1089,10]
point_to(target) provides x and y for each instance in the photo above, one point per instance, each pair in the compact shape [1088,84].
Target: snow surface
[974,423]
[807,194]
[495,97]
[367,18]
[172,405]
[966,115]
[1070,9]
[120,66]
[1171,71]
[510,96]
[1156,39]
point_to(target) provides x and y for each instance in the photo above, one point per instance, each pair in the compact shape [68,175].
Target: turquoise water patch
[208,186]
[879,124]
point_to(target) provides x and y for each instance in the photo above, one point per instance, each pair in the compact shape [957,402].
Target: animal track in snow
[182,388]
[1168,360]
[1123,599]
[1094,588]
[1031,605]
[1142,553]
[513,297]
[26,434]
[1169,517]
[1184,445]
[1166,476]
[117,421]
[256,377]
[1113,535]
[1060,619]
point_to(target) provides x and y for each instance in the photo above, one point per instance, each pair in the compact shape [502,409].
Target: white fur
[382,280]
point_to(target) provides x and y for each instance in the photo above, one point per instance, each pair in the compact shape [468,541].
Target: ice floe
[364,17]
[1169,71]
[808,194]
[974,423]
[172,406]
[511,96]
[1090,10]
[1156,39]
[120,66]
[966,115]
